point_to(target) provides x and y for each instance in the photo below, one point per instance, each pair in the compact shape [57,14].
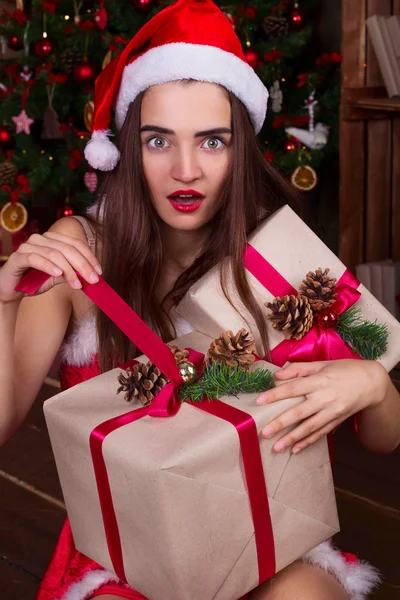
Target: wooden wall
[370,146]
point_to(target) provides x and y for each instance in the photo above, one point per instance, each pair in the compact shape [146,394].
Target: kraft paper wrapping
[179,492]
[293,249]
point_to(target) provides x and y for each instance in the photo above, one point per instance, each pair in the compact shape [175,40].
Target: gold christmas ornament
[88,113]
[13,217]
[304,178]
[187,371]
[107,59]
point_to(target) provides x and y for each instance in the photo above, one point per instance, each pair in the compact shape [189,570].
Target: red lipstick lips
[186,200]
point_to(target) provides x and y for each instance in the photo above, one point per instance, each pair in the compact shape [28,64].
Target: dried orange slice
[304,178]
[13,217]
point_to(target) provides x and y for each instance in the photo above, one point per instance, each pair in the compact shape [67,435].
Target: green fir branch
[220,380]
[369,339]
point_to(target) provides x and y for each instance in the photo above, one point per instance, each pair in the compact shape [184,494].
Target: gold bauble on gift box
[187,371]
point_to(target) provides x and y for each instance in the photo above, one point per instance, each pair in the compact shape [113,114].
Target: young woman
[186,186]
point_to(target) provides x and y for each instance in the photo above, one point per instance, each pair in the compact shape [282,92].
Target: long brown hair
[129,230]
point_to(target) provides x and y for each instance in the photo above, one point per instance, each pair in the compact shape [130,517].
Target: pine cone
[179,355]
[319,288]
[292,315]
[232,349]
[275,27]
[70,57]
[8,173]
[143,382]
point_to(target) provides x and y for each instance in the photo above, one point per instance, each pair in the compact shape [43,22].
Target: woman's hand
[54,253]
[334,391]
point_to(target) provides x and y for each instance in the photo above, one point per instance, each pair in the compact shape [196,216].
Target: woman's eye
[157,142]
[214,144]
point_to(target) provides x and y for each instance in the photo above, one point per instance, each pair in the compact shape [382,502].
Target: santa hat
[191,39]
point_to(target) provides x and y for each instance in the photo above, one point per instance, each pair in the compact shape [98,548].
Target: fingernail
[77,284]
[268,431]
[93,278]
[296,450]
[98,269]
[279,446]
[57,271]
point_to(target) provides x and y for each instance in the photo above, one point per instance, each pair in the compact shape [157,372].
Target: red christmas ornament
[143,6]
[85,72]
[66,210]
[14,43]
[269,156]
[6,138]
[45,47]
[290,144]
[253,57]
[296,17]
[327,318]
[100,18]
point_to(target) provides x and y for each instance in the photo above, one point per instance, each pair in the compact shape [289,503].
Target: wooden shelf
[380,104]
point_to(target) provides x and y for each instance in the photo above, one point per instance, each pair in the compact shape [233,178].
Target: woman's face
[186,152]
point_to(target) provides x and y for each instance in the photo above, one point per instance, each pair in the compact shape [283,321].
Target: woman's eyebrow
[165,131]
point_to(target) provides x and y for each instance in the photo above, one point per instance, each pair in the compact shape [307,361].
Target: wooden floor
[32,510]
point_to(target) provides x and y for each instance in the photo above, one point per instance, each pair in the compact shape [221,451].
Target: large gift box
[277,258]
[178,489]
[183,500]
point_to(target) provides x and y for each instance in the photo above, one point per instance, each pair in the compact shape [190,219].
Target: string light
[50,158]
[66,17]
[44,34]
[283,79]
[248,43]
[42,151]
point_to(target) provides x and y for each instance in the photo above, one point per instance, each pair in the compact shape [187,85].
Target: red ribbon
[319,343]
[165,404]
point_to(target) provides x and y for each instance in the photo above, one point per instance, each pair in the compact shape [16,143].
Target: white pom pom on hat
[191,39]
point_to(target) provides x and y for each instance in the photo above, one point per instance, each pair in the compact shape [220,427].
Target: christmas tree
[60,46]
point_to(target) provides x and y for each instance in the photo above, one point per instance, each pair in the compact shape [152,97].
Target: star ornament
[23,122]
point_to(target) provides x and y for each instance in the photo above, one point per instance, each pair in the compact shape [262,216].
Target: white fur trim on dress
[82,344]
[88,585]
[172,62]
[357,578]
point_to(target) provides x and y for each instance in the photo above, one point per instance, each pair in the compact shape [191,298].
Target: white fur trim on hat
[100,152]
[172,62]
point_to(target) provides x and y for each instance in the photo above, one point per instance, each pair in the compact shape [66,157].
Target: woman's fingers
[77,260]
[294,415]
[30,252]
[79,245]
[24,260]
[300,370]
[291,389]
[315,436]
[309,429]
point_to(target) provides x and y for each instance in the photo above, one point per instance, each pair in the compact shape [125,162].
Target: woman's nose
[186,167]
